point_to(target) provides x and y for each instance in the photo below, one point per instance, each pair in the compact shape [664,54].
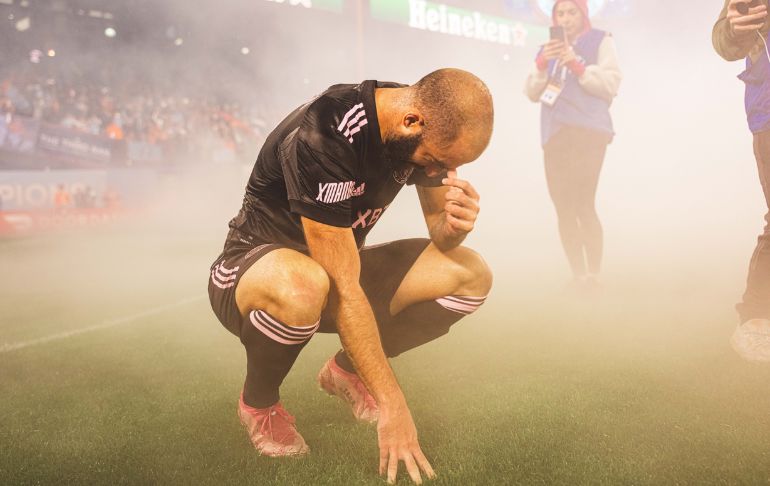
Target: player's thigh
[285,283]
[436,274]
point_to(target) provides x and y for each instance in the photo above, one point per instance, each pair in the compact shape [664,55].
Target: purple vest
[757,79]
[575,106]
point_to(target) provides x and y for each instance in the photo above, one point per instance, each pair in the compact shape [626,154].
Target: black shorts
[383,268]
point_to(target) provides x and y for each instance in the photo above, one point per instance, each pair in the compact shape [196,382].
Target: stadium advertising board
[544,8]
[450,20]
[34,190]
[62,141]
[14,223]
[328,5]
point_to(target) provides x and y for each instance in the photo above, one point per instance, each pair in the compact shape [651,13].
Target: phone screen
[743,8]
[557,32]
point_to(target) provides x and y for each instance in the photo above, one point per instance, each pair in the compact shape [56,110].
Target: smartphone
[557,32]
[743,8]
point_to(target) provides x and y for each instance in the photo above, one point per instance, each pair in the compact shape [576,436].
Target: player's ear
[413,122]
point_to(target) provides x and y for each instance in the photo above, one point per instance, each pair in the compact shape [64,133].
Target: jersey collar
[373,126]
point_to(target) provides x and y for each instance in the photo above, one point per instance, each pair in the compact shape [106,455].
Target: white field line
[8,347]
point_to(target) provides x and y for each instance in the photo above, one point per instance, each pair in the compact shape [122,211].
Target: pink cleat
[751,340]
[349,387]
[272,430]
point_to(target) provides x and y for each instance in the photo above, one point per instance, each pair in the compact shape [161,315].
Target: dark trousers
[756,299]
[573,162]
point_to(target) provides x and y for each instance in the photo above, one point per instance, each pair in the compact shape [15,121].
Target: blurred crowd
[136,111]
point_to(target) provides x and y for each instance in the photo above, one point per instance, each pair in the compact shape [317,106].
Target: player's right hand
[751,22]
[397,437]
[554,49]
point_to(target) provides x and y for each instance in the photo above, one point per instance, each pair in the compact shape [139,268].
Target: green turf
[633,388]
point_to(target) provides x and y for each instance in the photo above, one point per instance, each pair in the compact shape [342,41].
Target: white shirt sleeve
[603,79]
[536,82]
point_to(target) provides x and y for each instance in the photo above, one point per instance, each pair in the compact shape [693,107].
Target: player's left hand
[462,204]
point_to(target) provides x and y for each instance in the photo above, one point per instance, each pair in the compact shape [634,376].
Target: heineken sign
[330,5]
[445,19]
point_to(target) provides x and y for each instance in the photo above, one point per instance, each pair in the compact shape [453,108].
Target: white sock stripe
[348,115]
[279,332]
[273,333]
[464,300]
[458,305]
[269,333]
[469,297]
[300,331]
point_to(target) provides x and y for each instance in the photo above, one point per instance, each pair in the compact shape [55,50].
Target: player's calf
[272,347]
[456,283]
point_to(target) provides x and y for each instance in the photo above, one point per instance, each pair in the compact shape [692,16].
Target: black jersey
[324,162]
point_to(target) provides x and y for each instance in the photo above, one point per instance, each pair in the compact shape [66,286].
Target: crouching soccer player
[294,263]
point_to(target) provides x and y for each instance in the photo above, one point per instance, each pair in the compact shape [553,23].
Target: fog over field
[644,363]
[679,195]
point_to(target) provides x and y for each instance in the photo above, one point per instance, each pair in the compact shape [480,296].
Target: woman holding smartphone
[575,78]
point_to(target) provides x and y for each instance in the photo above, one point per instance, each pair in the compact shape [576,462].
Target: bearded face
[399,149]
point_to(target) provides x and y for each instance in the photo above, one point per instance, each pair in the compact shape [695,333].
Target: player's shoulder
[319,129]
[326,112]
[339,113]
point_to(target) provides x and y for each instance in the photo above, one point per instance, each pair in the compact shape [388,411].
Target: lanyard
[563,72]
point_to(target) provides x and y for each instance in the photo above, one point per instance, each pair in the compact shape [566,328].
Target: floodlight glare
[23,24]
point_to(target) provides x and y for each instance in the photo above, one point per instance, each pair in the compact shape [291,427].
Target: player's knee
[474,274]
[305,287]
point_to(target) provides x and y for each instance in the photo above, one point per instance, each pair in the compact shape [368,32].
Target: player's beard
[399,150]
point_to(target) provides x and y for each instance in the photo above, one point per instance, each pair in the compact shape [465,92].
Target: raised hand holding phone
[746,15]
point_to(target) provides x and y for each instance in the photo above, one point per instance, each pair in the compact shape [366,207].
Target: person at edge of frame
[736,36]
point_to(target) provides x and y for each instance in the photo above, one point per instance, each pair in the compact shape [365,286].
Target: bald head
[457,106]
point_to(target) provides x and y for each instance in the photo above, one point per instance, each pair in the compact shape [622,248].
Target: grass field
[113,370]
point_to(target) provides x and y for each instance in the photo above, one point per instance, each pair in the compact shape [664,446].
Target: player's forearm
[442,235]
[360,337]
[335,250]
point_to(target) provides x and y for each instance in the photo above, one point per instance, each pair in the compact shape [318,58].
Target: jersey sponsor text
[334,192]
